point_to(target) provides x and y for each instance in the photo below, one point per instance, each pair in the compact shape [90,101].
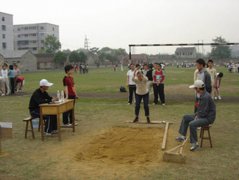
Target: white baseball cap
[197,84]
[44,82]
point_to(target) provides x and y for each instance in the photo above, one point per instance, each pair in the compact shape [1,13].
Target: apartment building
[32,36]
[6,32]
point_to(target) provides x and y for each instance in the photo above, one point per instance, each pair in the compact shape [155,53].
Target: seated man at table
[205,114]
[40,96]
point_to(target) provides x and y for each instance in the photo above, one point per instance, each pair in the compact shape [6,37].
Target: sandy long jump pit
[125,145]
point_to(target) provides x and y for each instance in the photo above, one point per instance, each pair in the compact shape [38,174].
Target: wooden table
[57,109]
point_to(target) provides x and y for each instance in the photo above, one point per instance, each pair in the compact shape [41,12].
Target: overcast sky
[117,23]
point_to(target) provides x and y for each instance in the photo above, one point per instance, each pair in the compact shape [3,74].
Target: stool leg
[201,132]
[26,130]
[209,137]
[202,135]
[33,136]
[39,125]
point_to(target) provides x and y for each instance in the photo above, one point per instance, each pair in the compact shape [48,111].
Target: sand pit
[125,145]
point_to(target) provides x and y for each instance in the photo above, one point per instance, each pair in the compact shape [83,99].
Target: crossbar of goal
[180,44]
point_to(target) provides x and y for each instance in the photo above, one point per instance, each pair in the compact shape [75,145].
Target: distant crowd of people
[11,80]
[232,67]
[81,68]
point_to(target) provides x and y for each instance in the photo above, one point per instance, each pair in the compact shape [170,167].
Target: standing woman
[142,92]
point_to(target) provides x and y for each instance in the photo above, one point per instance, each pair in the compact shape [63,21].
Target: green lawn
[101,106]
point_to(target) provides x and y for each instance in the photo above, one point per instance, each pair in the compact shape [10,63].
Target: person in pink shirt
[158,84]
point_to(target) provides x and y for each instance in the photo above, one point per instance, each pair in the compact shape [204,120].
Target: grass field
[102,112]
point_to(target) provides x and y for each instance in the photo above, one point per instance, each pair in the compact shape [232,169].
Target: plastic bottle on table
[62,96]
[58,95]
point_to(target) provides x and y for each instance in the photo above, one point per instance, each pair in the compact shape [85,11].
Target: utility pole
[86,43]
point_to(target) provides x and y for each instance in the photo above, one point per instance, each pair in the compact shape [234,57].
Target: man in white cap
[40,96]
[205,114]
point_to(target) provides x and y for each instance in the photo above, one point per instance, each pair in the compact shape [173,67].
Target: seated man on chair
[205,114]
[40,96]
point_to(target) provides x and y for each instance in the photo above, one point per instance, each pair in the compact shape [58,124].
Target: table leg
[58,117]
[73,119]
[42,130]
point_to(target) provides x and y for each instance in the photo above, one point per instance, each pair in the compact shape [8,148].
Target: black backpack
[122,89]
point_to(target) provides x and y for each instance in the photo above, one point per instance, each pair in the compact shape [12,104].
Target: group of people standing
[11,80]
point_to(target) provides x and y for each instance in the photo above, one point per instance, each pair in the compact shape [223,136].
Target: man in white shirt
[131,84]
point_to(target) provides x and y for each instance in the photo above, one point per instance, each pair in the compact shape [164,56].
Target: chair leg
[201,135]
[33,136]
[209,136]
[26,130]
[39,125]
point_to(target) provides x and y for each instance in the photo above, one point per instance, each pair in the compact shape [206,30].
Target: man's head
[44,84]
[137,66]
[198,85]
[131,67]
[210,63]
[200,64]
[146,66]
[69,69]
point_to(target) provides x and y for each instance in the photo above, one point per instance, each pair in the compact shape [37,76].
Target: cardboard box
[5,130]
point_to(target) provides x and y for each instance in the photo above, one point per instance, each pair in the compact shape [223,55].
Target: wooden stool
[205,128]
[29,120]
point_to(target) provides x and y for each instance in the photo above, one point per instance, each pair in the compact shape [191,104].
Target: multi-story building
[6,32]
[32,36]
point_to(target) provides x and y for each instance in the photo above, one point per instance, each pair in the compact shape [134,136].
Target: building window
[42,27]
[3,27]
[4,45]
[3,36]
[3,18]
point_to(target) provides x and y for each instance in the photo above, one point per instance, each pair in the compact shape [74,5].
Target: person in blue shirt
[11,76]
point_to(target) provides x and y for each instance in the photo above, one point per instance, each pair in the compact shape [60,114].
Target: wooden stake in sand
[165,136]
[172,156]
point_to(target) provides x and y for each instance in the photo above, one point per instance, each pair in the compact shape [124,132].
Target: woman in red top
[70,92]
[158,84]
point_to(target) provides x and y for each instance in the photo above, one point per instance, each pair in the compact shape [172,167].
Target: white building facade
[6,32]
[32,36]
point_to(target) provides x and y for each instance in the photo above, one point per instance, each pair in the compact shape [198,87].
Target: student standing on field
[4,73]
[131,84]
[158,84]
[70,92]
[202,74]
[213,73]
[142,92]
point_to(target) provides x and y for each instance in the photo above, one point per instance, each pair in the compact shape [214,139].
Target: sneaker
[48,134]
[180,138]
[215,97]
[148,120]
[54,132]
[136,120]
[194,147]
[129,103]
[163,104]
[219,97]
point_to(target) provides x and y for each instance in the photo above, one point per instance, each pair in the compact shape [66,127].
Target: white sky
[117,23]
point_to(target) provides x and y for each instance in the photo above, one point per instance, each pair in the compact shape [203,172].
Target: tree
[60,57]
[51,44]
[221,51]
[82,57]
[74,57]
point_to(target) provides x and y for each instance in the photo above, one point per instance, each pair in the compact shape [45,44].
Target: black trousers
[67,116]
[139,98]
[132,90]
[159,92]
[50,120]
[12,85]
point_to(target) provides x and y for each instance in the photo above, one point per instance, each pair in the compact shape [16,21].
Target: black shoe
[148,120]
[136,120]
